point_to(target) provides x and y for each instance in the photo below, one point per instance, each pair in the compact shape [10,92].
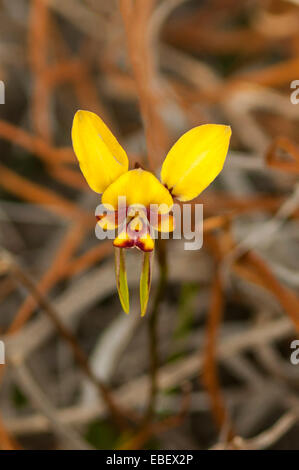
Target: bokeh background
[80,373]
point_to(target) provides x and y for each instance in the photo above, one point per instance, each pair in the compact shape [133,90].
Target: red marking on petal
[146,244]
[128,243]
[142,246]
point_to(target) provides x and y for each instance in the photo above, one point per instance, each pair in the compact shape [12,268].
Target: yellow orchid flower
[191,165]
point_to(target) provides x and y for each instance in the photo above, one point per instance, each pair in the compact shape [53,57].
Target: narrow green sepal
[121,279]
[145,281]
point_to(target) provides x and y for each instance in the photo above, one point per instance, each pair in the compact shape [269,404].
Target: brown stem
[19,274]
[153,327]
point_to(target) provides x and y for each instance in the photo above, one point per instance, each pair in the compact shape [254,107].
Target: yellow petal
[195,160]
[111,220]
[102,160]
[128,240]
[145,243]
[162,223]
[123,240]
[108,221]
[139,187]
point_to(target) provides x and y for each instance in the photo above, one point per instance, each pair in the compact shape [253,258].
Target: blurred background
[210,365]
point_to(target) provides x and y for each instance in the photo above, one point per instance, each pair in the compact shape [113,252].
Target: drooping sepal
[121,279]
[145,281]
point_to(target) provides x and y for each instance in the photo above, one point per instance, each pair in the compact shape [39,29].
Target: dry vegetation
[79,373]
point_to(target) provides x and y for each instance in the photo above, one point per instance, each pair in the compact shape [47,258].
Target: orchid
[191,165]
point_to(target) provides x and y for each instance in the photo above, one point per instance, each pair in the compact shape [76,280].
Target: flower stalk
[153,326]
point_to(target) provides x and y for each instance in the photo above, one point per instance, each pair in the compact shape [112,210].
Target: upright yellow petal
[195,160]
[102,160]
[139,187]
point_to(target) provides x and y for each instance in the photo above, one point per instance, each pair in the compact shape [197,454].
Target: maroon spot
[137,166]
[170,190]
[141,245]
[126,244]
